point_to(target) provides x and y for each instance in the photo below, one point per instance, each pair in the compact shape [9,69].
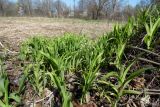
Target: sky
[131,2]
[134,2]
[71,3]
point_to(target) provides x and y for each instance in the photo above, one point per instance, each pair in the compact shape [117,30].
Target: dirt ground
[16,29]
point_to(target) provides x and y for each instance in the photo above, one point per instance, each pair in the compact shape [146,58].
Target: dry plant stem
[146,60]
[151,92]
[148,51]
[1,45]
[147,86]
[50,95]
[8,51]
[151,82]
[134,105]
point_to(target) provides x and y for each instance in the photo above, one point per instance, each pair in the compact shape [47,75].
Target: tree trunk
[29,8]
[97,14]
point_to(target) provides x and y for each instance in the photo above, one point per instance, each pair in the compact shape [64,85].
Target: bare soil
[13,30]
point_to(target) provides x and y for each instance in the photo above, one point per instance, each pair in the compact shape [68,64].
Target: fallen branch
[146,60]
[148,51]
[151,91]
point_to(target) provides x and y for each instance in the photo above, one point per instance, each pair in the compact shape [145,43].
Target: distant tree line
[90,9]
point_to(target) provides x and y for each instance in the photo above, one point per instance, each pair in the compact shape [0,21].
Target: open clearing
[15,29]
[120,68]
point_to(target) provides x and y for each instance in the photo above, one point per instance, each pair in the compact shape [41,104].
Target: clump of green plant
[30,49]
[151,29]
[59,83]
[62,56]
[114,43]
[35,74]
[57,78]
[5,94]
[90,74]
[122,35]
[121,87]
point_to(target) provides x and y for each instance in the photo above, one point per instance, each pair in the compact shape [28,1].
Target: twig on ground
[148,51]
[147,60]
[38,101]
[1,45]
[151,92]
[8,51]
[151,82]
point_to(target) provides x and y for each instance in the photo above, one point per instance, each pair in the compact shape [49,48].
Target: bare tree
[26,5]
[29,7]
[47,7]
[144,3]
[61,8]
[155,1]
[3,7]
[128,11]
[96,6]
[82,8]
[93,9]
[74,8]
[114,5]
